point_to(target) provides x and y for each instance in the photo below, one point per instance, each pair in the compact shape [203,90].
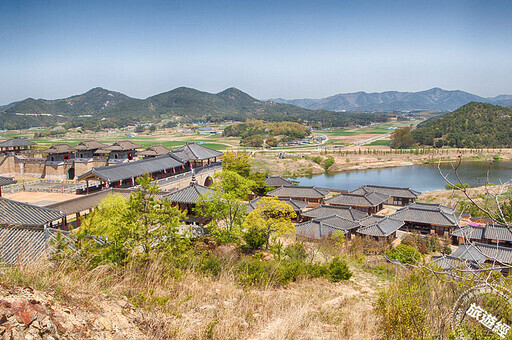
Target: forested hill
[473,125]
[188,103]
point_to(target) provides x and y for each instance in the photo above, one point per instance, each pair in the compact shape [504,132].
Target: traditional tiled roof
[154,150]
[114,173]
[89,145]
[494,232]
[26,245]
[188,195]
[328,210]
[376,225]
[448,263]
[6,181]
[480,252]
[14,213]
[120,145]
[371,199]
[299,192]
[195,152]
[16,142]
[59,148]
[427,213]
[82,203]
[325,226]
[297,205]
[277,181]
[390,191]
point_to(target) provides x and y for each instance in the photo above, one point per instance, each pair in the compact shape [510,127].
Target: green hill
[473,125]
[189,104]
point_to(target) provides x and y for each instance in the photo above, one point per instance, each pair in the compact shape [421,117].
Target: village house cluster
[185,174]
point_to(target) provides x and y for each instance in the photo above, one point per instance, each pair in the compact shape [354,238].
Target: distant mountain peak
[434,99]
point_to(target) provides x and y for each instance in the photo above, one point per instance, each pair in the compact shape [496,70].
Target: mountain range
[435,99]
[189,104]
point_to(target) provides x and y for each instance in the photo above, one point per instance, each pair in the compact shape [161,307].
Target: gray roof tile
[16,142]
[188,195]
[370,199]
[277,181]
[194,151]
[328,210]
[89,145]
[427,213]
[297,205]
[325,226]
[114,173]
[376,225]
[299,192]
[14,213]
[390,191]
[480,253]
[6,181]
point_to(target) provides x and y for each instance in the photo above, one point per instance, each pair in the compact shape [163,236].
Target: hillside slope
[435,99]
[473,125]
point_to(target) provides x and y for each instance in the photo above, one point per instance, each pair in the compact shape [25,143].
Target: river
[417,177]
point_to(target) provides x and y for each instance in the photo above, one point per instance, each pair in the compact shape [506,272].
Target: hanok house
[123,175]
[154,151]
[197,155]
[370,202]
[5,181]
[15,145]
[476,256]
[277,181]
[119,152]
[186,199]
[298,206]
[329,210]
[313,195]
[488,234]
[381,228]
[397,196]
[428,218]
[324,227]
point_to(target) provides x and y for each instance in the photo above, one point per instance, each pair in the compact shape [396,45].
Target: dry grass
[192,306]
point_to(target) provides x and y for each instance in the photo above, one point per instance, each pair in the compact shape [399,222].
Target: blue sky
[289,49]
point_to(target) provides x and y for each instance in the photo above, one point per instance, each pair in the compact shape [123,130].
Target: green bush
[338,270]
[296,252]
[404,253]
[211,266]
[457,186]
[328,162]
[317,159]
[255,238]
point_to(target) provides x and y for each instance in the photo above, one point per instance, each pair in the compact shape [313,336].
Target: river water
[417,177]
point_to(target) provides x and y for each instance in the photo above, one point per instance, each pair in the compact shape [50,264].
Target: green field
[380,142]
[340,132]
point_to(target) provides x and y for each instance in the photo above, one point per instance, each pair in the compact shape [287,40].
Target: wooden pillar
[87,181]
[63,227]
[0,191]
[77,219]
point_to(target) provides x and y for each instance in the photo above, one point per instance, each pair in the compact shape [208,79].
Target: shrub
[328,162]
[338,270]
[296,252]
[255,237]
[317,159]
[404,253]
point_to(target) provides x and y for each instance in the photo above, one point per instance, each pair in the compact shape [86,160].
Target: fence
[45,185]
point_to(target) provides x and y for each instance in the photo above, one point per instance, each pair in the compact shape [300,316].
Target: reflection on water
[418,177]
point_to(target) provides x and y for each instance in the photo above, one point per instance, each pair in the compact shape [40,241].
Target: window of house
[66,157]
[130,156]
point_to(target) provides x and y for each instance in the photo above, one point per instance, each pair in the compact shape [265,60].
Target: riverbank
[311,163]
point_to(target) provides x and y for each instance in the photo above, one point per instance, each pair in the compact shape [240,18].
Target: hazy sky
[289,49]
